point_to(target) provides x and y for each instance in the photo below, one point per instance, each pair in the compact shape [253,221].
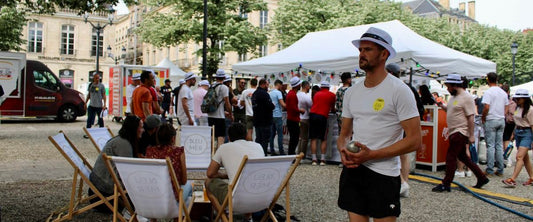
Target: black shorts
[318,125]
[220,126]
[365,192]
[508,131]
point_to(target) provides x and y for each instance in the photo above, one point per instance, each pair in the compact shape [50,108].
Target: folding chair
[99,136]
[149,184]
[83,169]
[257,185]
[199,143]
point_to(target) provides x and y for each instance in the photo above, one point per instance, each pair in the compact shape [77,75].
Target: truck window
[45,80]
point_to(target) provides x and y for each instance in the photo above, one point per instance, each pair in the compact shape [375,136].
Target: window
[243,14]
[242,57]
[280,47]
[35,37]
[45,80]
[67,39]
[263,50]
[263,19]
[100,42]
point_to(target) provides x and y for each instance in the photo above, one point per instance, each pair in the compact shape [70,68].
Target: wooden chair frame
[120,192]
[93,140]
[228,200]
[76,197]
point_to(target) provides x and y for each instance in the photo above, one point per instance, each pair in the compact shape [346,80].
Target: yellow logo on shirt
[516,112]
[379,104]
[455,103]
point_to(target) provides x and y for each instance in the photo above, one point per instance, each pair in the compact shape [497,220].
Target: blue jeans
[523,138]
[494,138]
[262,135]
[91,113]
[187,192]
[277,127]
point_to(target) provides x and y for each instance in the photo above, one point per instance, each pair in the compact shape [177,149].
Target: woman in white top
[523,118]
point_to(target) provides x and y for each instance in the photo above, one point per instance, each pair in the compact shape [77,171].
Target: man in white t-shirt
[135,81]
[246,101]
[229,156]
[378,111]
[495,102]
[218,117]
[185,101]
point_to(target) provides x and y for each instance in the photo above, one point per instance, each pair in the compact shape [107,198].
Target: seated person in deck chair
[230,156]
[166,138]
[125,145]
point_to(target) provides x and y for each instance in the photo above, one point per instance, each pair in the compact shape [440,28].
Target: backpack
[210,103]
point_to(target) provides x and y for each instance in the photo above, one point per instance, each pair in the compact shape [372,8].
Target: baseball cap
[152,121]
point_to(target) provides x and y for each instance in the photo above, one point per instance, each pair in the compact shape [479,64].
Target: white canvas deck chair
[83,169]
[99,136]
[257,186]
[198,143]
[149,184]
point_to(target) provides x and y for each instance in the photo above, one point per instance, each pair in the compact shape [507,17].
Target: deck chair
[149,184]
[257,186]
[199,143]
[83,169]
[99,136]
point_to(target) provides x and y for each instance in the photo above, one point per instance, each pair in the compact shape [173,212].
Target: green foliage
[185,23]
[295,18]
[11,23]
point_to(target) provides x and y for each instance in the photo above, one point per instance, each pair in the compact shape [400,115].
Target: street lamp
[115,58]
[99,29]
[514,50]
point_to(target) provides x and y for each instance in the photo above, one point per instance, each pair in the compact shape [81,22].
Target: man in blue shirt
[277,121]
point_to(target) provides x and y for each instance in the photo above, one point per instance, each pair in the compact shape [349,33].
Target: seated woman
[166,138]
[125,145]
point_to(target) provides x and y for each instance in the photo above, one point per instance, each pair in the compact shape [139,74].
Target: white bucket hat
[521,93]
[189,75]
[324,84]
[454,79]
[220,73]
[379,37]
[295,81]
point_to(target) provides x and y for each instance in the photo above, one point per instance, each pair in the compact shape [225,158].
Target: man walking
[277,117]
[293,114]
[246,102]
[493,117]
[98,100]
[378,111]
[141,103]
[166,90]
[218,118]
[323,103]
[185,101]
[460,119]
[262,108]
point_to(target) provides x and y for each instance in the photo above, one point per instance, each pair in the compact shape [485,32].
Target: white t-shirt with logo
[377,113]
[497,100]
[185,92]
[229,155]
[247,97]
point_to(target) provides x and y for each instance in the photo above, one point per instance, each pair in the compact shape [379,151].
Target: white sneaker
[313,163]
[340,165]
[404,190]
[322,163]
[142,219]
[468,173]
[509,163]
[459,173]
[126,214]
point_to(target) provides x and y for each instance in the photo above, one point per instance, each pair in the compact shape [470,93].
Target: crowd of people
[381,114]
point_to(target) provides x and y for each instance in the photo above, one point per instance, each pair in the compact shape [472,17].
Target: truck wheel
[67,113]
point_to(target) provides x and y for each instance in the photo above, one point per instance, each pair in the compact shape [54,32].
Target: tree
[227,29]
[478,40]
[13,15]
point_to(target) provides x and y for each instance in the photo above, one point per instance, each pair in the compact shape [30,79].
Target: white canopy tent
[332,51]
[528,86]
[175,72]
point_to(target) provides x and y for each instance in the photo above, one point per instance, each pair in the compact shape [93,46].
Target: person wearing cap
[460,113]
[218,117]
[523,118]
[405,159]
[185,101]
[277,117]
[141,103]
[166,90]
[198,97]
[323,104]
[376,113]
[135,81]
[175,92]
[148,138]
[246,102]
[495,105]
[293,114]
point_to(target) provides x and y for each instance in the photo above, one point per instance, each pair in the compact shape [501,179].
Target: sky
[514,15]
